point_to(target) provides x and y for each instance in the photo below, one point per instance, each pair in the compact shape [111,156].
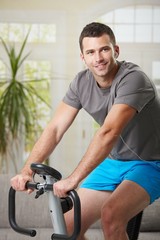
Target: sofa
[33,213]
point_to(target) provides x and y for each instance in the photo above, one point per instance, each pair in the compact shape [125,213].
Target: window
[156,74]
[40,33]
[156,70]
[39,70]
[135,24]
[2,69]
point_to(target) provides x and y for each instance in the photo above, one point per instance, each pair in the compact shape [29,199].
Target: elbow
[108,136]
[53,133]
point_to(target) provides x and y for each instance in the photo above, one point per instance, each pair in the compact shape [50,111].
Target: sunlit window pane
[38,73]
[2,76]
[2,70]
[39,33]
[143,15]
[4,31]
[30,70]
[34,34]
[124,15]
[15,32]
[37,70]
[143,33]
[145,20]
[124,33]
[156,70]
[27,28]
[47,33]
[156,33]
[156,15]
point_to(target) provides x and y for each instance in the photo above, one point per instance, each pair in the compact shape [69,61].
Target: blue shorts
[110,173]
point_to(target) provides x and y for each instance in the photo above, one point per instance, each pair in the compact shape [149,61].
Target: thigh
[126,201]
[147,175]
[91,204]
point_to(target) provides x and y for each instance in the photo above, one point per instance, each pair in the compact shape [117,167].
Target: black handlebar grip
[31,185]
[12,216]
[77,219]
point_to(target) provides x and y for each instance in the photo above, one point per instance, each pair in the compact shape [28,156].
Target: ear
[116,51]
[82,57]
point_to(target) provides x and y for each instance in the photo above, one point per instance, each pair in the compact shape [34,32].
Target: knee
[108,219]
[111,221]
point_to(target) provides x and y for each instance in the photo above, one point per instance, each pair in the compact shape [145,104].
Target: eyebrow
[101,48]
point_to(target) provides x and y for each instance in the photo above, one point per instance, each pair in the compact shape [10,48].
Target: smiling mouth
[100,65]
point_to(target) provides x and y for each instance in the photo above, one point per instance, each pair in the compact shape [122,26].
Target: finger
[14,183]
[57,190]
[29,191]
[18,182]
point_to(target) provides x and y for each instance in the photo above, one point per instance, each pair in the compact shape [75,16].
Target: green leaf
[18,101]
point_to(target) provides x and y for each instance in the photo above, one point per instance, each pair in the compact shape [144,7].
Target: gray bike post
[55,209]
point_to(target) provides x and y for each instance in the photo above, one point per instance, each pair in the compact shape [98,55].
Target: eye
[105,49]
[90,52]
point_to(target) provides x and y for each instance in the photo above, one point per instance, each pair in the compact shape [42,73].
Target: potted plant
[18,108]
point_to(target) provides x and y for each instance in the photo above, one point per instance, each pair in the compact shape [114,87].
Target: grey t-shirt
[141,137]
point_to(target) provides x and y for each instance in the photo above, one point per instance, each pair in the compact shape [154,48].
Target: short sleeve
[71,97]
[135,90]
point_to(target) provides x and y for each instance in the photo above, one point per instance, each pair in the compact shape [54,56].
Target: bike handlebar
[31,232]
[12,216]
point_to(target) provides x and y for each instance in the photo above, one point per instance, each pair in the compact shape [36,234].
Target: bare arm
[99,148]
[52,134]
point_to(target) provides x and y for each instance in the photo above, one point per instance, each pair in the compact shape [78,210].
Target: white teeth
[102,64]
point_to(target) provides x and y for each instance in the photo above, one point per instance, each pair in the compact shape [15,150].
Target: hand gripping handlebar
[72,195]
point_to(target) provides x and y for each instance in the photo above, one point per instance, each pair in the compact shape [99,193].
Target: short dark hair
[96,29]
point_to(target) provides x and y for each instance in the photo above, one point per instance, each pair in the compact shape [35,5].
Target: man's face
[99,55]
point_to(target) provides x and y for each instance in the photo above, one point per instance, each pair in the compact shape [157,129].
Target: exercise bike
[57,206]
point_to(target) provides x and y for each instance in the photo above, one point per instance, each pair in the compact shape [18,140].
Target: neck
[106,81]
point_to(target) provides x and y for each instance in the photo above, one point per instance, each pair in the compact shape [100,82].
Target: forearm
[104,140]
[98,150]
[42,149]
[52,134]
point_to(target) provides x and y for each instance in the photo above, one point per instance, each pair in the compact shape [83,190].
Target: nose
[98,57]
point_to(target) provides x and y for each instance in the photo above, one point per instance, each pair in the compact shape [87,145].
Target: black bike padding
[133,226]
[45,170]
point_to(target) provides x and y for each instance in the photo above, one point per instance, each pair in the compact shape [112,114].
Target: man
[122,161]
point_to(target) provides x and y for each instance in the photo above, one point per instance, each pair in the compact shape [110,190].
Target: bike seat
[45,170]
